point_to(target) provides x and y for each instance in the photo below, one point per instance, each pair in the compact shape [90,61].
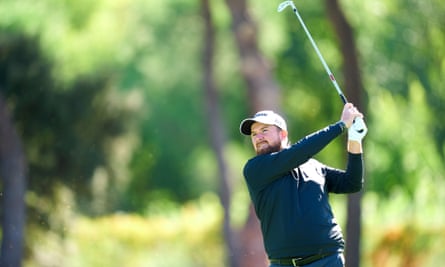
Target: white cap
[264,116]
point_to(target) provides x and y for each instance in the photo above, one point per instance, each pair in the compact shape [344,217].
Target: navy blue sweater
[289,191]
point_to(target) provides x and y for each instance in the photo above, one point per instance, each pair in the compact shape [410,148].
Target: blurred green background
[107,99]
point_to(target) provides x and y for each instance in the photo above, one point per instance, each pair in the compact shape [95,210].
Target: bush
[187,236]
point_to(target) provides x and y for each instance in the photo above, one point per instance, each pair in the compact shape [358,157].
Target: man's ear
[284,139]
[283,134]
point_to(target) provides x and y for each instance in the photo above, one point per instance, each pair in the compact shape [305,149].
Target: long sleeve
[349,181]
[263,169]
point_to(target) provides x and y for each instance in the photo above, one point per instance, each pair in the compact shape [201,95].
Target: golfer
[289,189]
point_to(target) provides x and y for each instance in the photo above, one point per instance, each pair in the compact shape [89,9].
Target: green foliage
[407,155]
[67,68]
[66,129]
[173,133]
[400,68]
[179,237]
[404,230]
[396,231]
[403,49]
[309,99]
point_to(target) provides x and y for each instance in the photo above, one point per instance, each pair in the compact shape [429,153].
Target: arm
[355,147]
[263,169]
[349,181]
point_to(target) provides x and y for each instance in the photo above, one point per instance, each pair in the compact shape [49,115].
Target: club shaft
[320,56]
[326,67]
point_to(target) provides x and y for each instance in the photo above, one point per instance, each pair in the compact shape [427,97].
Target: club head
[284,4]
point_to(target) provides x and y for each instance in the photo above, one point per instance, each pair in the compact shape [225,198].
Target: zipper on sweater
[296,174]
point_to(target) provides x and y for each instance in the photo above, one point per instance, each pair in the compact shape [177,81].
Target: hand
[358,130]
[349,114]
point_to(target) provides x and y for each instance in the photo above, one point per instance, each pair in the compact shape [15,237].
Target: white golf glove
[357,130]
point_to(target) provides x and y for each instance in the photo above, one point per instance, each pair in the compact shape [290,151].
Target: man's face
[266,138]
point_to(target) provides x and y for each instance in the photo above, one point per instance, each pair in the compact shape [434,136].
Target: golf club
[283,6]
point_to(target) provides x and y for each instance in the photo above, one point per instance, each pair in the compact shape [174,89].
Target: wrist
[342,125]
[355,147]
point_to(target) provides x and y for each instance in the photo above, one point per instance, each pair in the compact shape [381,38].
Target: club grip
[343,98]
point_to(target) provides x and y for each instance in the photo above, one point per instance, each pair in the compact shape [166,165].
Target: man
[289,189]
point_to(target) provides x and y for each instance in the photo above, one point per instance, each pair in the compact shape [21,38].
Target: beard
[267,148]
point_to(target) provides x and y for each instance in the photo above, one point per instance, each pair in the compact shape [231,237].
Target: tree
[64,133]
[217,132]
[354,89]
[12,195]
[263,93]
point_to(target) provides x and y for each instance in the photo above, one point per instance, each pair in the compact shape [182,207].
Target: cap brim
[245,127]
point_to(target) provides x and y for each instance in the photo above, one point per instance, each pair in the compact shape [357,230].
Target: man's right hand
[349,114]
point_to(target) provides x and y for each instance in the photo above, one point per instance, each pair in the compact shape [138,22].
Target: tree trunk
[252,250]
[354,90]
[13,173]
[263,93]
[217,132]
